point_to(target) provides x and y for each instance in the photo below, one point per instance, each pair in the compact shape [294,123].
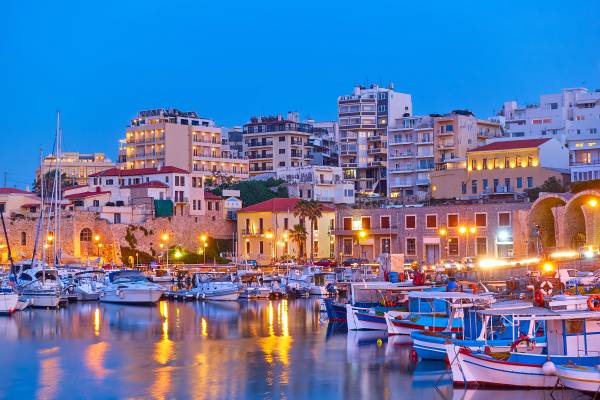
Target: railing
[258,156]
[248,232]
[408,168]
[402,155]
[260,144]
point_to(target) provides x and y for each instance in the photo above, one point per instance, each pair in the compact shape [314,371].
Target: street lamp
[204,238]
[205,246]
[593,202]
[466,230]
[443,232]
[165,238]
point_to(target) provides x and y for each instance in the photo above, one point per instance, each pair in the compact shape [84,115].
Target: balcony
[260,144]
[401,155]
[296,154]
[402,184]
[445,133]
[423,182]
[402,141]
[261,169]
[252,232]
[260,156]
[446,145]
[296,142]
[348,152]
[405,169]
[349,165]
[374,164]
[377,150]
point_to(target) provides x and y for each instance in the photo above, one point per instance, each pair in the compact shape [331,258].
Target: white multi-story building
[410,158]
[317,182]
[364,117]
[572,116]
[75,166]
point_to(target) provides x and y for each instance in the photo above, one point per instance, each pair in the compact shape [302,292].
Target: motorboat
[131,287]
[39,285]
[572,329]
[253,285]
[162,275]
[88,285]
[579,377]
[323,283]
[8,300]
[211,287]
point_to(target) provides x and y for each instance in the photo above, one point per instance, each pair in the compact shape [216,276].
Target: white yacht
[8,300]
[39,285]
[207,287]
[87,285]
[130,287]
[161,275]
[253,285]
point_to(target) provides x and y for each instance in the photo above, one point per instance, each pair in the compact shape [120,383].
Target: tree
[253,192]
[551,185]
[311,210]
[49,183]
[298,236]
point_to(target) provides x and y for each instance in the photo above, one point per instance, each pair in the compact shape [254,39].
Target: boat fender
[538,298]
[546,288]
[549,368]
[593,302]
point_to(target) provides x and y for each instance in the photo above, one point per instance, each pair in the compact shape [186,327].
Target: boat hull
[231,295]
[8,302]
[584,379]
[364,320]
[41,299]
[131,296]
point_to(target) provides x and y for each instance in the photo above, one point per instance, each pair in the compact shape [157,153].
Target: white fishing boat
[322,283]
[253,285]
[579,377]
[210,287]
[572,333]
[130,287]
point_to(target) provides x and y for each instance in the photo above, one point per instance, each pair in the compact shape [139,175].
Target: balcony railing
[260,156]
[260,144]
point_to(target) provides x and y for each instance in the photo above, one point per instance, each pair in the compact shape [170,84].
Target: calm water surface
[246,350]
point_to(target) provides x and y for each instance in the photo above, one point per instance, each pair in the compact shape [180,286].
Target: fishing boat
[40,286]
[322,283]
[211,287]
[8,301]
[130,287]
[578,377]
[253,285]
[572,339]
[491,329]
[161,275]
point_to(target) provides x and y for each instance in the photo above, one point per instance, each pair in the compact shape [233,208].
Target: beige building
[275,142]
[77,166]
[501,167]
[171,137]
[318,182]
[264,231]
[18,202]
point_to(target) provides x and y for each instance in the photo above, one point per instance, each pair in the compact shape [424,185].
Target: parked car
[326,262]
[349,262]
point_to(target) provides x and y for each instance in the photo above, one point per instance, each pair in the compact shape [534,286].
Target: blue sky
[101,62]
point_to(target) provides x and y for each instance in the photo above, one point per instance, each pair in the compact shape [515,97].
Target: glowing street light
[442,231]
[462,230]
[96,238]
[593,203]
[362,234]
[548,266]
[269,235]
[165,237]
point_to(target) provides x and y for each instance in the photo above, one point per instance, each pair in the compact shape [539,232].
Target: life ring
[593,302]
[523,338]
[546,288]
[538,298]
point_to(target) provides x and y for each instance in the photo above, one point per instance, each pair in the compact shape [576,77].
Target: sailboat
[8,297]
[37,283]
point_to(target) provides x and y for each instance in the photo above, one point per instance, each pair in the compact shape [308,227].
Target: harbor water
[282,349]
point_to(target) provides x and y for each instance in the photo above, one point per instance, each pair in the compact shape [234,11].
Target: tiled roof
[511,145]
[211,196]
[147,185]
[277,205]
[139,171]
[9,190]
[84,195]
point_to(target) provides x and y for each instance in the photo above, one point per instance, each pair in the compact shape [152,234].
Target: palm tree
[312,210]
[298,236]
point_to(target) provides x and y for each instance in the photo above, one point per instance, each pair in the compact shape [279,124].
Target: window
[365,222]
[96,203]
[85,235]
[411,246]
[503,219]
[281,151]
[248,247]
[260,225]
[410,221]
[286,223]
[481,220]
[474,186]
[347,223]
[519,182]
[117,218]
[452,220]
[217,206]
[431,221]
[347,247]
[464,188]
[23,239]
[209,205]
[453,246]
[109,181]
[529,181]
[485,184]
[481,246]
[507,183]
[384,222]
[282,138]
[385,245]
[260,247]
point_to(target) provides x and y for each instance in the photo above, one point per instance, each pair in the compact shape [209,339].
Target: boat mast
[41,215]
[10,259]
[58,192]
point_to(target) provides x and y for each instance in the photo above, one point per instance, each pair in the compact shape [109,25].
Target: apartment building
[364,117]
[274,142]
[457,133]
[432,233]
[15,201]
[323,142]
[264,231]
[169,137]
[572,116]
[502,167]
[76,166]
[410,159]
[321,183]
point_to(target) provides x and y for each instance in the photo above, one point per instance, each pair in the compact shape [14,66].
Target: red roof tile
[139,171]
[84,195]
[211,196]
[147,185]
[278,205]
[13,191]
[511,145]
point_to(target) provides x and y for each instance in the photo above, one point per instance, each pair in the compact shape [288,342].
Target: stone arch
[543,214]
[581,219]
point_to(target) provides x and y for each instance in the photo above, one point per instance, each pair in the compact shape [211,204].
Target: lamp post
[203,239]
[443,232]
[269,236]
[362,234]
[465,230]
[165,238]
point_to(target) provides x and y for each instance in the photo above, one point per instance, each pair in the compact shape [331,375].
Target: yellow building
[502,167]
[264,231]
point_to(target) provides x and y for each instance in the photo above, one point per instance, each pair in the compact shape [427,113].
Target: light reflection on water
[229,350]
